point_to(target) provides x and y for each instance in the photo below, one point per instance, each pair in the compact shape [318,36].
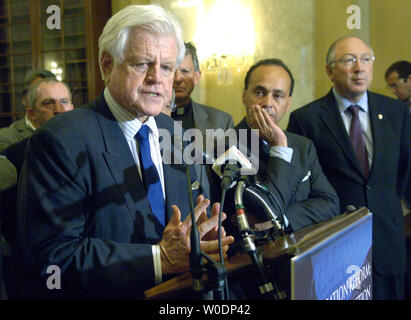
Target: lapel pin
[195,185]
[380,116]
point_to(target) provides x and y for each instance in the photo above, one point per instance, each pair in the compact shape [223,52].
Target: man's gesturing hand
[175,244]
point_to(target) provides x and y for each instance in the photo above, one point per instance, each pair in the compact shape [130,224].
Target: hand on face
[264,120]
[175,244]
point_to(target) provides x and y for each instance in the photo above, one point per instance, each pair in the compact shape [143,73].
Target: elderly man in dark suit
[363,144]
[97,202]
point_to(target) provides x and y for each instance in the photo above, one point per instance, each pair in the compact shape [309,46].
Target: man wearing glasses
[398,78]
[362,141]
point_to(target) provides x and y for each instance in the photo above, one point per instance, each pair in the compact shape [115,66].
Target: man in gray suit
[23,128]
[195,115]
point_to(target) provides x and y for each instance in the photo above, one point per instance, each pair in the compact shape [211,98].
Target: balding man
[362,140]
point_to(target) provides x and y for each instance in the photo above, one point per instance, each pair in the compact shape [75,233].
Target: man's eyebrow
[260,87]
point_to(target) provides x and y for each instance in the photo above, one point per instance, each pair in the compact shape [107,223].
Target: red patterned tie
[357,140]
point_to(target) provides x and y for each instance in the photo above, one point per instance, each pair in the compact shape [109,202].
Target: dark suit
[84,206]
[16,277]
[15,154]
[305,195]
[321,122]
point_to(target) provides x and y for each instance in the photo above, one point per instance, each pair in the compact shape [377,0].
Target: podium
[330,260]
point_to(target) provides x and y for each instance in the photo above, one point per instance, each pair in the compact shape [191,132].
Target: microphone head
[350,208]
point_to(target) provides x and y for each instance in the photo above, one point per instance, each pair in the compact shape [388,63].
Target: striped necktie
[357,140]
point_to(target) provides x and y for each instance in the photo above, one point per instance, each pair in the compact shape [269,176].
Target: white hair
[153,18]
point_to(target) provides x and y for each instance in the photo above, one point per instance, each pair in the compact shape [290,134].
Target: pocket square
[307,176]
[195,185]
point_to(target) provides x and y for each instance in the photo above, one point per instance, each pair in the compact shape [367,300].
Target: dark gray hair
[192,51]
[269,62]
[402,67]
[31,75]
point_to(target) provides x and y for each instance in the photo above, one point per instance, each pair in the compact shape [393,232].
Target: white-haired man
[102,206]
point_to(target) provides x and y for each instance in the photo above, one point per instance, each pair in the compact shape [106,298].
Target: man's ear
[31,114]
[288,103]
[244,97]
[329,71]
[107,64]
[197,77]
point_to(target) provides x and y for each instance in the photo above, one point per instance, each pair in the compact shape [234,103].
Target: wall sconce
[56,70]
[225,39]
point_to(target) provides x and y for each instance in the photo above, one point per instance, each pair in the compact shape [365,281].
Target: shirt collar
[343,103]
[128,123]
[29,124]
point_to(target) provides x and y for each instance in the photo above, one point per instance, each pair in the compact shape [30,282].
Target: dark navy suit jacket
[321,122]
[83,207]
[303,192]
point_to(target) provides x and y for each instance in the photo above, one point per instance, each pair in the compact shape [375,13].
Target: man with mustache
[362,140]
[288,166]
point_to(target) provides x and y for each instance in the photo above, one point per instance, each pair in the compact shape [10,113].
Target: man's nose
[60,107]
[267,101]
[154,73]
[178,76]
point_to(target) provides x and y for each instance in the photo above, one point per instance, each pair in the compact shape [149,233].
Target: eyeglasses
[395,85]
[350,60]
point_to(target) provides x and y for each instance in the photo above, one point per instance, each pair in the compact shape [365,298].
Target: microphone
[230,164]
[350,208]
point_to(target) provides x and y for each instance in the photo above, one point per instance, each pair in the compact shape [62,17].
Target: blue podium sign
[337,268]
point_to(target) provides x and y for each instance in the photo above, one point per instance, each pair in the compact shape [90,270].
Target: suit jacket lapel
[378,131]
[333,122]
[174,176]
[121,163]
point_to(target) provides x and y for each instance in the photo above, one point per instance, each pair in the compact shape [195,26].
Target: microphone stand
[216,272]
[267,289]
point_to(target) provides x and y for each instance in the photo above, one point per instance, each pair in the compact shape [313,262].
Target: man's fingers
[208,225]
[212,246]
[198,210]
[175,216]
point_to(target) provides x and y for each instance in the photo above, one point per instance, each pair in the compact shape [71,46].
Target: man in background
[195,115]
[23,128]
[363,144]
[45,99]
[398,78]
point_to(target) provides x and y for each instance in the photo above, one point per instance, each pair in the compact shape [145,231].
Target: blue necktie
[150,175]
